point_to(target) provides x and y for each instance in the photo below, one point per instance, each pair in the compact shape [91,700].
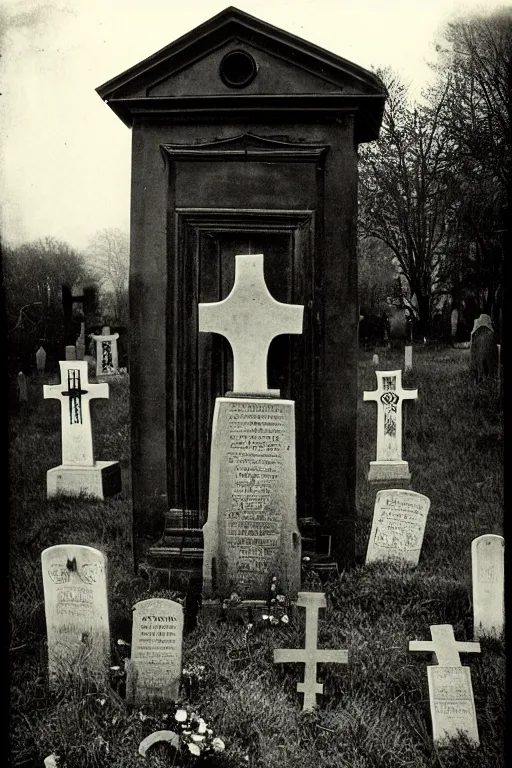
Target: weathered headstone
[107,359]
[251,532]
[70,352]
[311,655]
[154,668]
[389,397]
[454,323]
[76,607]
[487,556]
[398,526]
[22,388]
[375,359]
[80,343]
[450,692]
[79,472]
[408,358]
[41,359]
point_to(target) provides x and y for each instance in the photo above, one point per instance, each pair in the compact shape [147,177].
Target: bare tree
[109,255]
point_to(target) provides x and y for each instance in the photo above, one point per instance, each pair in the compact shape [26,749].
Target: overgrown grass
[374,712]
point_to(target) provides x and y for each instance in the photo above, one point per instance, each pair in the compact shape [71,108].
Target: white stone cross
[75,394]
[310,655]
[443,646]
[250,318]
[389,397]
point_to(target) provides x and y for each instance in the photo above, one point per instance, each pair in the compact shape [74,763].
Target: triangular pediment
[285,64]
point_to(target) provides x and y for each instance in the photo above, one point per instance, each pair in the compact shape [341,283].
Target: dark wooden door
[200,365]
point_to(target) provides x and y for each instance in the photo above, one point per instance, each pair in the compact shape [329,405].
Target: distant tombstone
[76,608]
[408,358]
[41,359]
[107,359]
[487,556]
[452,705]
[375,359]
[70,352]
[80,343]
[389,397]
[311,655]
[398,324]
[22,388]
[454,323]
[79,472]
[154,669]
[398,526]
[251,532]
[484,353]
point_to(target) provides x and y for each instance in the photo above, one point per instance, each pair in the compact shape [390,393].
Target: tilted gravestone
[310,655]
[251,532]
[450,691]
[107,358]
[76,607]
[236,165]
[153,672]
[488,572]
[389,396]
[398,526]
[79,472]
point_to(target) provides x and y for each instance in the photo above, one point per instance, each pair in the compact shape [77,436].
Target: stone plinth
[101,480]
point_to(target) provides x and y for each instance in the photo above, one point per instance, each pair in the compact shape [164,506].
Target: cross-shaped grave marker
[389,397]
[452,706]
[75,394]
[310,655]
[250,318]
[443,645]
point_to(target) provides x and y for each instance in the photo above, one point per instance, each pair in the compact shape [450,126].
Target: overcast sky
[65,161]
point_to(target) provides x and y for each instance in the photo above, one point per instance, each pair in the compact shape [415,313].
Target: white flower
[52,761]
[285,619]
[209,731]
[194,749]
[181,715]
[274,620]
[202,725]
[197,737]
[264,616]
[280,598]
[218,745]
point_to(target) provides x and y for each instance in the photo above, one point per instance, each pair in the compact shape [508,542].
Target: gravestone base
[111,377]
[100,481]
[389,471]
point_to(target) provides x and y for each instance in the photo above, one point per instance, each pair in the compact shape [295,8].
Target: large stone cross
[310,655]
[75,394]
[389,397]
[250,318]
[443,645]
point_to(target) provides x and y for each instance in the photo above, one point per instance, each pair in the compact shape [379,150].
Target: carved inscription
[451,702]
[389,400]
[258,440]
[107,364]
[398,526]
[156,650]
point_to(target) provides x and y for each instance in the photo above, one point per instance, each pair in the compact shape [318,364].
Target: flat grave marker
[310,655]
[488,576]
[76,608]
[154,669]
[450,691]
[398,526]
[389,397]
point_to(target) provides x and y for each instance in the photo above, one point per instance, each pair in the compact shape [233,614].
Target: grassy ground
[375,711]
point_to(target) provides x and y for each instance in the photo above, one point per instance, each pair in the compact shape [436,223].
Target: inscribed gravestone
[79,472]
[389,397]
[450,692]
[310,655]
[154,669]
[76,607]
[251,532]
[487,556]
[107,358]
[398,526]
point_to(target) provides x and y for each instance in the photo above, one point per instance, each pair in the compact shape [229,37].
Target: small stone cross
[250,318]
[389,397]
[310,655]
[443,645]
[75,394]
